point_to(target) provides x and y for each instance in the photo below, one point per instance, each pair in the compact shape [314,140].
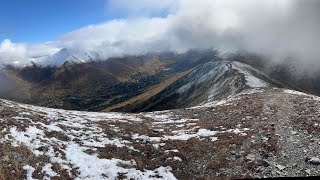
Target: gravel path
[295,144]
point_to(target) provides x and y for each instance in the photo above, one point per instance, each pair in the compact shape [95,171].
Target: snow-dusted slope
[64,137]
[260,133]
[250,74]
[220,74]
[211,81]
[76,141]
[67,56]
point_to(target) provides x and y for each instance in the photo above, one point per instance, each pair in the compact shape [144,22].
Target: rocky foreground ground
[261,133]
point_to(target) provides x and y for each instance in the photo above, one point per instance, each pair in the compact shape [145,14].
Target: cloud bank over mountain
[279,28]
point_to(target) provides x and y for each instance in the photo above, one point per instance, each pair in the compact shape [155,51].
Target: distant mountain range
[158,81]
[95,85]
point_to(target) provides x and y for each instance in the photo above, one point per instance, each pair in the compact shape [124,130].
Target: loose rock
[314,160]
[250,157]
[280,167]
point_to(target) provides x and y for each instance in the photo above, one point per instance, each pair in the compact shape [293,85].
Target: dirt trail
[294,143]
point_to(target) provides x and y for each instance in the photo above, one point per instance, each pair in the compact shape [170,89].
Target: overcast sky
[278,28]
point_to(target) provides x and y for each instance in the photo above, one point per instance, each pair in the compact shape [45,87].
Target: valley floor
[264,132]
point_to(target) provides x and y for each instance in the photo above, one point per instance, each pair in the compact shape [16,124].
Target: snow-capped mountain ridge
[220,79]
[66,55]
[217,71]
[251,80]
[211,81]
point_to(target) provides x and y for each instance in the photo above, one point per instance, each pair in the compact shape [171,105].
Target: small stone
[233,153]
[265,139]
[314,160]
[269,135]
[6,158]
[280,167]
[265,163]
[307,159]
[294,132]
[250,157]
[307,171]
[156,131]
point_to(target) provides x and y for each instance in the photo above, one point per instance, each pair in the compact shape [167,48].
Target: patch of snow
[180,137]
[48,170]
[146,138]
[313,97]
[91,167]
[206,132]
[31,138]
[230,99]
[252,81]
[24,113]
[213,139]
[289,91]
[216,103]
[52,127]
[157,117]
[238,131]
[184,136]
[175,158]
[30,171]
[165,173]
[170,121]
[251,91]
[158,145]
[172,150]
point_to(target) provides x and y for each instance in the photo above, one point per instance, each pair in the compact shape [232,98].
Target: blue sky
[34,21]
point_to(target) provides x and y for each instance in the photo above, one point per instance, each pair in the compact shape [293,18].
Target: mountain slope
[97,85]
[229,121]
[264,132]
[211,81]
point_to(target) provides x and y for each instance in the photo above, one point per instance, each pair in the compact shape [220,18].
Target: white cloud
[12,52]
[274,27]
[36,50]
[119,36]
[19,53]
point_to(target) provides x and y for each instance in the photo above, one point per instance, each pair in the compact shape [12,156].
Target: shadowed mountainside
[211,81]
[96,85]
